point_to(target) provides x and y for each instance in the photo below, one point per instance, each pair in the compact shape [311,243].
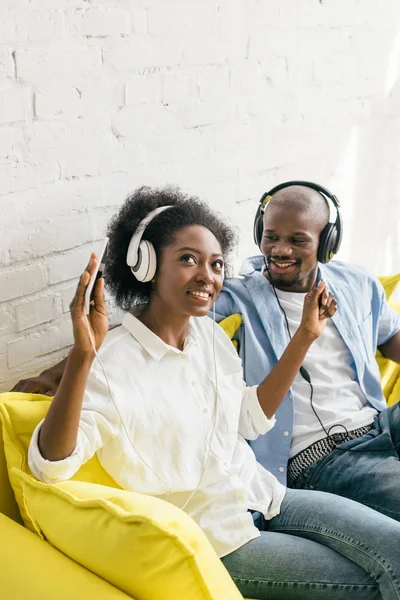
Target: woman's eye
[297,241]
[218,264]
[270,237]
[189,259]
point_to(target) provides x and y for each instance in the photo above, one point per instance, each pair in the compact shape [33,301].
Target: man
[333,432]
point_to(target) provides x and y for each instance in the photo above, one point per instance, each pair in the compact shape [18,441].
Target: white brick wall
[224,97]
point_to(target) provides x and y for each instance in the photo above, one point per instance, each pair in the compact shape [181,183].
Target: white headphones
[141,256]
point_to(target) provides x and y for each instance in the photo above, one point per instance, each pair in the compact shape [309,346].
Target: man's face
[290,245]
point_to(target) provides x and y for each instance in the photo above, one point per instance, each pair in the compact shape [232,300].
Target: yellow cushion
[144,546]
[32,569]
[19,414]
[230,325]
[389,370]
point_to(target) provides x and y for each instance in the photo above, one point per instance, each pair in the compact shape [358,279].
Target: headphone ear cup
[146,265]
[327,243]
[258,227]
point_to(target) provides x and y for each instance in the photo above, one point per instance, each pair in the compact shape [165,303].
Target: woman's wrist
[305,336]
[81,357]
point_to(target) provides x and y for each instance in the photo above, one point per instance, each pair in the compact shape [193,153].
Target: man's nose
[281,248]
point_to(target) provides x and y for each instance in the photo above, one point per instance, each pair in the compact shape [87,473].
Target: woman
[166,410]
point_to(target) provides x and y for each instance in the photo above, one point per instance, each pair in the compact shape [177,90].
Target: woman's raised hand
[97,320]
[319,306]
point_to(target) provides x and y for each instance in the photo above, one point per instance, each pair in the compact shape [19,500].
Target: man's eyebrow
[293,232]
[190,249]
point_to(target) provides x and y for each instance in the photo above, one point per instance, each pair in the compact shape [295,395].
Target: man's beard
[279,283]
[284,283]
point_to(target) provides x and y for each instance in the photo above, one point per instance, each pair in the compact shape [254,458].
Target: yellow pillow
[389,370]
[142,545]
[230,325]
[146,547]
[19,414]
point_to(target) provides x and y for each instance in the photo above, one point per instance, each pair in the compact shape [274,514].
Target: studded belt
[319,449]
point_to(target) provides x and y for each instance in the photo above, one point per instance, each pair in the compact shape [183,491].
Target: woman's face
[191,272]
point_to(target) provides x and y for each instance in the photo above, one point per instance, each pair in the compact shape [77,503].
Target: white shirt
[166,399]
[337,398]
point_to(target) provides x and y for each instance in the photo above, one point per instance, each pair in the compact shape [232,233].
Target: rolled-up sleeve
[99,424]
[253,421]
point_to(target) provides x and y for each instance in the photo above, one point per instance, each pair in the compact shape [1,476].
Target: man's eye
[298,241]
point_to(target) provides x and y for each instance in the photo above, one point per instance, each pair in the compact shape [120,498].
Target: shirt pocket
[365,329]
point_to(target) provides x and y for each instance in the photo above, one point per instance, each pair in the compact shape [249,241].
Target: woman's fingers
[328,309]
[98,296]
[78,299]
[314,296]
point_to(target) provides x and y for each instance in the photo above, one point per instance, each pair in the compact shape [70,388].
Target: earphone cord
[306,376]
[168,488]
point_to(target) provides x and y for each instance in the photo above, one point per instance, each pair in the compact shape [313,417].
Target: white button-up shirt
[167,398]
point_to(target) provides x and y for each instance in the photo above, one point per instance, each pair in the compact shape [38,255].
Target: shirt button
[193,383]
[205,410]
[285,433]
[281,469]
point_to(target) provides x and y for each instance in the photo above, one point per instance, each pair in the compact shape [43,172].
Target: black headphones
[331,235]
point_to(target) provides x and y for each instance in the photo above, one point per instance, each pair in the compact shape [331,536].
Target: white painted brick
[26,348]
[15,104]
[51,64]
[207,50]
[142,90]
[6,65]
[66,296]
[214,84]
[6,318]
[180,18]
[180,88]
[38,25]
[55,236]
[145,122]
[16,283]
[202,114]
[12,143]
[121,158]
[37,311]
[17,175]
[103,22]
[58,102]
[134,53]
[139,20]
[8,26]
[70,265]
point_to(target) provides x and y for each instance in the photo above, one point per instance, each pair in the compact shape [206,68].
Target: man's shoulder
[350,272]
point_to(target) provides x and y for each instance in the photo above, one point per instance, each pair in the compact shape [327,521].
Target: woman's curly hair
[125,288]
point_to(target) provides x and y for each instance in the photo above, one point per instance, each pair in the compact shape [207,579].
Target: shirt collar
[153,344]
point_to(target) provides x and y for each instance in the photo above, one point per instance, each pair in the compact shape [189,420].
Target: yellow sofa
[31,567]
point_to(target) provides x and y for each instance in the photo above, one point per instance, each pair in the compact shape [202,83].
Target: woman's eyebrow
[188,248]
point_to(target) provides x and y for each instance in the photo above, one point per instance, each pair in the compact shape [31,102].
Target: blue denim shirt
[363,318]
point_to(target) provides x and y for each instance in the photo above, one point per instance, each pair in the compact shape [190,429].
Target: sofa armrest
[31,567]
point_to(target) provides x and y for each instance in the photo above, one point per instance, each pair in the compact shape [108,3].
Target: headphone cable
[304,373]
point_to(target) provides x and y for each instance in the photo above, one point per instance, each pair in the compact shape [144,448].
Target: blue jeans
[366,469]
[320,547]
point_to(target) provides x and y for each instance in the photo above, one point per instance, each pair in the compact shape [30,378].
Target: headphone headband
[331,235]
